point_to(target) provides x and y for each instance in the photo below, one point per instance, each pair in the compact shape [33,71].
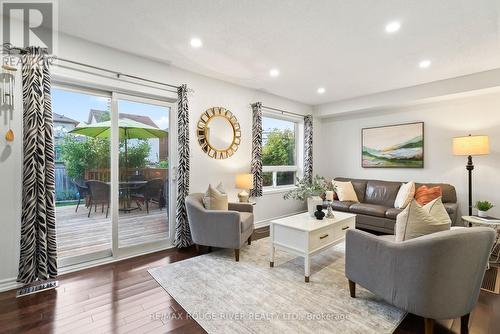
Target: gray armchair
[436,276]
[224,229]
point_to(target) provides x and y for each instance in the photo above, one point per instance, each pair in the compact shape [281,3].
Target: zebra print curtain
[182,232]
[308,148]
[257,150]
[38,258]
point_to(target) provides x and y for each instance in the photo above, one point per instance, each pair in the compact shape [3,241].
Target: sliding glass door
[82,175]
[143,190]
[112,174]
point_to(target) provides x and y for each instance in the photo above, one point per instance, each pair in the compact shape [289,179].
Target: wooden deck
[77,234]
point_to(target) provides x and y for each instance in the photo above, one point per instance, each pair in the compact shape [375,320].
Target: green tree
[80,154]
[279,149]
[137,153]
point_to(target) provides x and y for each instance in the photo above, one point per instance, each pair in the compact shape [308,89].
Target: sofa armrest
[218,228]
[452,209]
[241,207]
[369,261]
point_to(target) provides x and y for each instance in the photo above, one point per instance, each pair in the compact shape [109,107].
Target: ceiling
[336,44]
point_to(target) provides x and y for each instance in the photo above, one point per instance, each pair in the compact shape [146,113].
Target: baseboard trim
[9,284]
[264,223]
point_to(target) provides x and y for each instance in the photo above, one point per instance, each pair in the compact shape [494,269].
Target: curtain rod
[282,111]
[118,74]
[9,48]
[166,89]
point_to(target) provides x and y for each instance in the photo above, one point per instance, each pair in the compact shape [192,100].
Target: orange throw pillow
[424,194]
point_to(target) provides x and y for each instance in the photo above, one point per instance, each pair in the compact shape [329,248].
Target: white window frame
[297,168]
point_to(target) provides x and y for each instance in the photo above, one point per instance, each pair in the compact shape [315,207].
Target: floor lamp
[469,146]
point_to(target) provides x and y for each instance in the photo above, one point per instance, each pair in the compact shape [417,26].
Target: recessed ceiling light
[424,63]
[274,72]
[196,42]
[321,90]
[392,27]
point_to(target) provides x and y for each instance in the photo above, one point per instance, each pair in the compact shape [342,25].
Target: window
[279,151]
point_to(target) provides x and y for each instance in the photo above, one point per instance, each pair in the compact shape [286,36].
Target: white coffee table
[306,236]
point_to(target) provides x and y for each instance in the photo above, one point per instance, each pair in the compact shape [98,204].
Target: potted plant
[482,208]
[310,191]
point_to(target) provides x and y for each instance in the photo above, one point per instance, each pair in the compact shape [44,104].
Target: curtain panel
[38,256]
[256,167]
[182,232]
[308,148]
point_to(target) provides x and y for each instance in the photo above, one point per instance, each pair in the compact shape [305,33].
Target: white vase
[482,213]
[312,202]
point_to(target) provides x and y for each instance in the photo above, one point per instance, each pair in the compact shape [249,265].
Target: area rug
[225,296]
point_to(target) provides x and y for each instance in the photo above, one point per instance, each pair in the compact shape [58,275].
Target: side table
[494,224]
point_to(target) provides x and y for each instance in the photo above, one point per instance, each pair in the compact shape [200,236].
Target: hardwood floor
[78,235]
[122,297]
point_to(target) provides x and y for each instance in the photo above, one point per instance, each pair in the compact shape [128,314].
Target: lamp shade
[471,145]
[244,181]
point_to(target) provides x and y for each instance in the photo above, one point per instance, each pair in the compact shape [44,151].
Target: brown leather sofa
[375,210]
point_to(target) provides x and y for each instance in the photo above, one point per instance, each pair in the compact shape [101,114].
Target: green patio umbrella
[129,129]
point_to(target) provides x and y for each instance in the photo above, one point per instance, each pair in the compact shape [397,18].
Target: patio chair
[98,194]
[152,191]
[83,194]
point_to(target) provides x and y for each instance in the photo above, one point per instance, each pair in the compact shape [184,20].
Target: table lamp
[245,182]
[469,146]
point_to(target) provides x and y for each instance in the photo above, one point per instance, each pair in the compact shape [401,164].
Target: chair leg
[429,325]
[147,207]
[249,240]
[107,211]
[352,289]
[95,208]
[77,205]
[102,208]
[237,255]
[197,248]
[90,209]
[464,324]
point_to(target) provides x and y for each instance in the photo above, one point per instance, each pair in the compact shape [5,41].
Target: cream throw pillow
[215,200]
[345,191]
[405,195]
[416,221]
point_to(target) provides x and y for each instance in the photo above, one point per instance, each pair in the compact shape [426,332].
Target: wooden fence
[104,174]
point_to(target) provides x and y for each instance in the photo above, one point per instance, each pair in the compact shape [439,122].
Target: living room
[153,223]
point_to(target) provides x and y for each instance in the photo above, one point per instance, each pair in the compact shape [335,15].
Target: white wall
[340,144]
[207,93]
[10,191]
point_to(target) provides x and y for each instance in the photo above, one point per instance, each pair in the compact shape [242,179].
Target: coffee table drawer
[323,237]
[320,238]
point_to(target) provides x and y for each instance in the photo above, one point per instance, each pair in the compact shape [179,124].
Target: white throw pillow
[437,210]
[221,189]
[214,199]
[345,191]
[416,221]
[405,195]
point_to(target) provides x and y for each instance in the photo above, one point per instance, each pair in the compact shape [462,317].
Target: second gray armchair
[436,276]
[217,228]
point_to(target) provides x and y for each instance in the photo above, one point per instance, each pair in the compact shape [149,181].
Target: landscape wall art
[394,146]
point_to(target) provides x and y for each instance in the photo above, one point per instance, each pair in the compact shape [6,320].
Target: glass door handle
[174,173]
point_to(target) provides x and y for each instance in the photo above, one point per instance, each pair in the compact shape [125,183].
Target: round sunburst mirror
[218,133]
